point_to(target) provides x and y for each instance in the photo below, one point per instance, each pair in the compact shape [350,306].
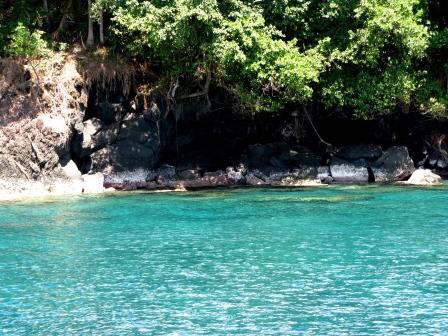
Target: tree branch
[204,92]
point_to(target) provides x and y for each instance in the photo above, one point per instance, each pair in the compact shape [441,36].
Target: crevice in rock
[371,175]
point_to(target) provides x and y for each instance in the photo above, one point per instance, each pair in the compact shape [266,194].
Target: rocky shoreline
[359,164]
[80,138]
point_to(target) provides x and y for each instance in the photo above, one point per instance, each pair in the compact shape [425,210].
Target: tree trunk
[101,23]
[46,15]
[63,21]
[90,40]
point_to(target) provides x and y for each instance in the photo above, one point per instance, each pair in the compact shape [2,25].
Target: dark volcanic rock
[109,113]
[189,174]
[135,146]
[83,142]
[301,158]
[124,156]
[356,152]
[346,172]
[166,175]
[206,182]
[394,165]
[106,136]
[136,128]
[432,158]
[260,155]
[255,177]
[442,163]
[324,174]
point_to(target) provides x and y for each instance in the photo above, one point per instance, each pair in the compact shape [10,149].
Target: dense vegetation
[363,58]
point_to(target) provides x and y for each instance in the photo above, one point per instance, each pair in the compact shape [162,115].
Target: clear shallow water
[331,261]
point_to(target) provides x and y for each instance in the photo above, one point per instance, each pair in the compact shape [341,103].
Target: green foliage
[372,55]
[188,36]
[367,57]
[26,44]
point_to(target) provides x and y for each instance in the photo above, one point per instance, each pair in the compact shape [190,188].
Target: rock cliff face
[36,125]
[66,136]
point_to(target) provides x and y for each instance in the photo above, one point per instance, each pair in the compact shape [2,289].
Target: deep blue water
[329,261]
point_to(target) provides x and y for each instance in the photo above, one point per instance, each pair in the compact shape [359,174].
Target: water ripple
[334,261]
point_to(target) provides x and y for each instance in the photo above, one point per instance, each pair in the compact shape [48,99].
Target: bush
[26,44]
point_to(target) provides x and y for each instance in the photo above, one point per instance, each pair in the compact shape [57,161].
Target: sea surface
[338,260]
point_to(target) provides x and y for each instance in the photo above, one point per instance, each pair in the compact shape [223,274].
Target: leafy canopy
[247,55]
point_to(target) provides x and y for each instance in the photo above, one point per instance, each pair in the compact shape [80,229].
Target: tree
[101,25]
[229,39]
[90,38]
[27,45]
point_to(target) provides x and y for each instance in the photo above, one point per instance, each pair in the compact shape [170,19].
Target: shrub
[26,44]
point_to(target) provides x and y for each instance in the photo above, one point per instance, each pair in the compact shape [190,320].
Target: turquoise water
[331,261]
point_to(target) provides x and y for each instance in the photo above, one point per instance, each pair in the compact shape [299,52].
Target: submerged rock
[424,177]
[394,165]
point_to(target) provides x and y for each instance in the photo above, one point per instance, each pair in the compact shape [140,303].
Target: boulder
[303,159]
[442,163]
[324,174]
[432,158]
[274,176]
[167,171]
[92,126]
[254,180]
[394,165]
[129,180]
[189,174]
[306,173]
[82,143]
[137,146]
[367,152]
[124,156]
[346,172]
[217,173]
[259,155]
[207,181]
[424,177]
[109,113]
[235,176]
[106,136]
[137,129]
